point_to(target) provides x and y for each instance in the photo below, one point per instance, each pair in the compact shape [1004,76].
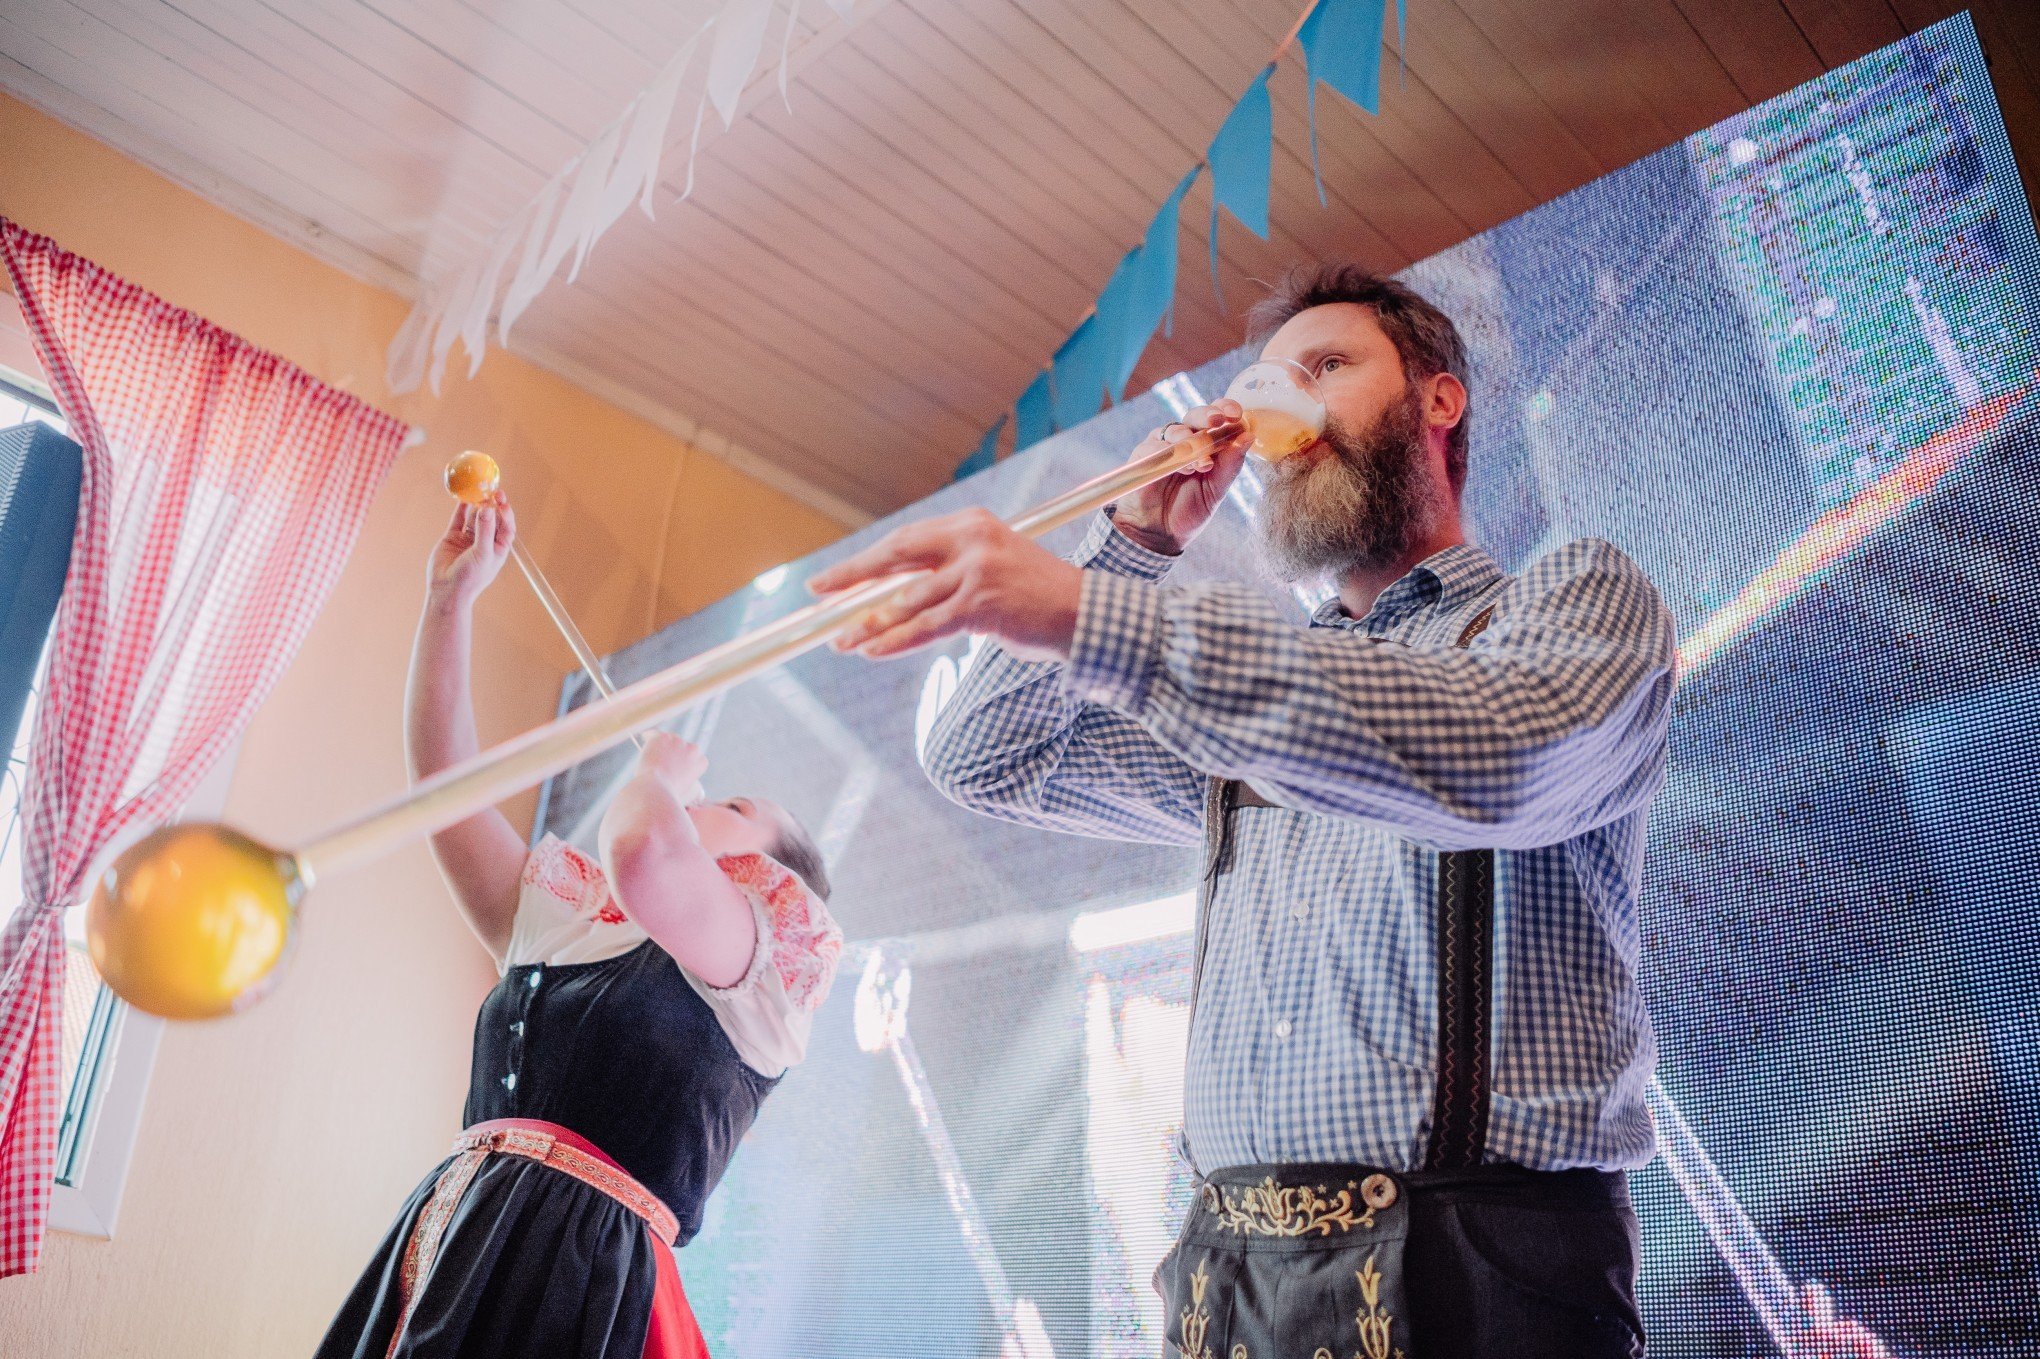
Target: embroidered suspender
[1466,887]
[1466,910]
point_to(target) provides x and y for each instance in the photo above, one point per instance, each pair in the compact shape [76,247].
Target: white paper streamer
[586,197]
[739,38]
[575,204]
[404,367]
[474,330]
[637,165]
[447,326]
[580,221]
[694,145]
[786,51]
[527,281]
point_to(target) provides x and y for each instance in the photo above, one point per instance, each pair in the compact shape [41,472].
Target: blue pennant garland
[987,453]
[1032,420]
[1114,304]
[1239,158]
[1151,292]
[1341,42]
[1077,377]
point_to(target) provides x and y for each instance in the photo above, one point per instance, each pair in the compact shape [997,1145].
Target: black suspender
[1466,913]
[1459,1105]
[1466,905]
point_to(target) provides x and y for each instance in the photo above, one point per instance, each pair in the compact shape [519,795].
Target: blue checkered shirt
[1314,1036]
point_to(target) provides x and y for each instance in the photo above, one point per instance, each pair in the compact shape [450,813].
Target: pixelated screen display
[1788,365]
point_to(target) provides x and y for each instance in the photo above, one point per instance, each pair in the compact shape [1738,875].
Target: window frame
[91,1179]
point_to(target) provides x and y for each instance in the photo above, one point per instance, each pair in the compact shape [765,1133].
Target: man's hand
[980,576]
[1165,515]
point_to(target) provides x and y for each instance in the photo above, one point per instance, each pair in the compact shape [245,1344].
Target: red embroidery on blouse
[806,941]
[573,879]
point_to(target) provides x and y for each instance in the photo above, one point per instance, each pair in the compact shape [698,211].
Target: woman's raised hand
[678,764]
[473,549]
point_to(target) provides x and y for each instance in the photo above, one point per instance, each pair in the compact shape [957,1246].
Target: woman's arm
[662,876]
[482,857]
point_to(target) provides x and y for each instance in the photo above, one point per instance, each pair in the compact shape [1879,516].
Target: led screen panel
[1786,364]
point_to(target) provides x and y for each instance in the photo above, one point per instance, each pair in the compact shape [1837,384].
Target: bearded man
[1418,1053]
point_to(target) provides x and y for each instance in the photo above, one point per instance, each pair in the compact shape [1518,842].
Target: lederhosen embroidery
[1459,1115]
[1197,1317]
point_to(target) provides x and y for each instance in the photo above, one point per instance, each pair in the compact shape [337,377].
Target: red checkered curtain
[223,489]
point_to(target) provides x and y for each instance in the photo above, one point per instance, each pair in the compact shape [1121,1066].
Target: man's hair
[1423,335]
[797,853]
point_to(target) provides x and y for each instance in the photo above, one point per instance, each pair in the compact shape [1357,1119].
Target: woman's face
[739,825]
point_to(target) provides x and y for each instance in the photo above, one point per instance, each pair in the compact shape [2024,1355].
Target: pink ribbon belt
[548,1143]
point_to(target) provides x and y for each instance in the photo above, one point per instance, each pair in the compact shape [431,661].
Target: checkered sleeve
[1550,724]
[1012,743]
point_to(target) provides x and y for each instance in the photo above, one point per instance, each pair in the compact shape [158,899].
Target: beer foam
[1294,402]
[1285,418]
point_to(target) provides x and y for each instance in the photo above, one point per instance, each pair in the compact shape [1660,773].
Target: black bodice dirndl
[536,1263]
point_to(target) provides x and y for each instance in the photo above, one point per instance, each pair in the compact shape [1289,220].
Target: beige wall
[276,1147]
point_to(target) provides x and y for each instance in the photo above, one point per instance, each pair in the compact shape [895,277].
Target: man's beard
[1359,507]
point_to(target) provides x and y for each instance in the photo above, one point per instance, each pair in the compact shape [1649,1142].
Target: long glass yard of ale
[195,920]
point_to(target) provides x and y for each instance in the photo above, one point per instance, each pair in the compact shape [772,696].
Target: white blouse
[565,915]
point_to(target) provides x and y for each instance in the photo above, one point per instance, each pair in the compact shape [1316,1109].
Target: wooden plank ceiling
[858,286]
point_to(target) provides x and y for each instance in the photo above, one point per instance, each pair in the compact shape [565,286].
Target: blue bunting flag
[1151,294]
[987,453]
[1114,304]
[1032,419]
[1077,377]
[1239,158]
[1341,42]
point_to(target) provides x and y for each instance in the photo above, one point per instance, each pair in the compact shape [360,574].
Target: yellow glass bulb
[193,922]
[473,477]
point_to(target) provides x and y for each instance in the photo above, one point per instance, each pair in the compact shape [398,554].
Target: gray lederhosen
[1461,1259]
